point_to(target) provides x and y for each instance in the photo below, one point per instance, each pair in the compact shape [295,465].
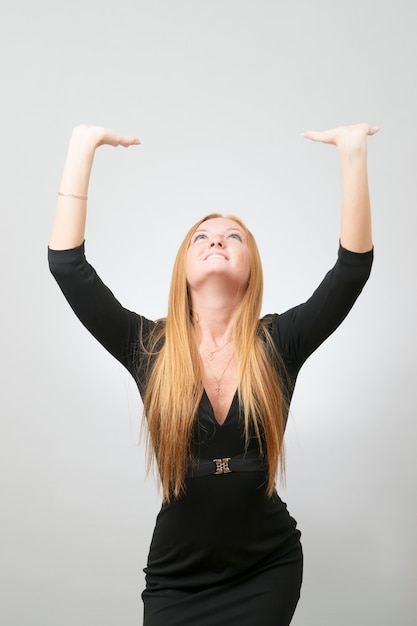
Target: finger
[373,129]
[127,140]
[124,140]
[315,135]
[310,134]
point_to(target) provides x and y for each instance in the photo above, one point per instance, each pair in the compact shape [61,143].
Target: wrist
[352,144]
[85,138]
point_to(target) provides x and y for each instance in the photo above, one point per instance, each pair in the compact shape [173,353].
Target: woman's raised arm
[70,217]
[351,141]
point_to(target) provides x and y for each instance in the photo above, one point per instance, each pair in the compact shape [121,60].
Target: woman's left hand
[351,141]
[344,137]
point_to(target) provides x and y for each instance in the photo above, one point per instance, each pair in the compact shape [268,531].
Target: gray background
[219,93]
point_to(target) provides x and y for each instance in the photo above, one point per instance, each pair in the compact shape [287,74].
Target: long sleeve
[114,326]
[300,330]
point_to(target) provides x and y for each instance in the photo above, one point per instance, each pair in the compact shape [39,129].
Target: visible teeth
[215,256]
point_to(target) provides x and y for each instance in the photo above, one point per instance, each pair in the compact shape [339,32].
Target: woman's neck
[213,327]
[214,321]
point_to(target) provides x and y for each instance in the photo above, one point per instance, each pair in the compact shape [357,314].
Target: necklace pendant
[218,389]
[210,356]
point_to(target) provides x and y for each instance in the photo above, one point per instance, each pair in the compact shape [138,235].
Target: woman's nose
[216,241]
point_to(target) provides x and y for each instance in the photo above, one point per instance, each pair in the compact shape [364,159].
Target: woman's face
[218,250]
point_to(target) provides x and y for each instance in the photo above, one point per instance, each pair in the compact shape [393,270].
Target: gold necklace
[219,380]
[210,355]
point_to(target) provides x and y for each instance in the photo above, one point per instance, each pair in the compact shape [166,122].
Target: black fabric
[224,552]
[247,462]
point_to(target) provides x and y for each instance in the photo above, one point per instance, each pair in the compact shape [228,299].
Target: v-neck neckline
[228,414]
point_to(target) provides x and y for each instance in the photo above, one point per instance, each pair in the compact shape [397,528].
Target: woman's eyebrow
[236,230]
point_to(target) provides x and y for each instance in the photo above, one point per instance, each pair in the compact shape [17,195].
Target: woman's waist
[248,461]
[225,503]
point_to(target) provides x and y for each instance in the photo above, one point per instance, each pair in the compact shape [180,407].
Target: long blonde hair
[174,386]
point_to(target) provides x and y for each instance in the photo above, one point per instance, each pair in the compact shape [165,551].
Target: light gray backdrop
[219,93]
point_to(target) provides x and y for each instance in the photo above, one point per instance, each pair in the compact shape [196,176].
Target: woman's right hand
[70,217]
[99,136]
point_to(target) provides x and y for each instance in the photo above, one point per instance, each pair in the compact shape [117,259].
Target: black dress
[225,552]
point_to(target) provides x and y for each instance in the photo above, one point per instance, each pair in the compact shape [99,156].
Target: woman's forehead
[216,223]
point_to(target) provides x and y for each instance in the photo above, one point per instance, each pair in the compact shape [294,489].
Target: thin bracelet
[72,195]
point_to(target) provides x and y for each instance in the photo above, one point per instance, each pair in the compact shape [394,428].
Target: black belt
[226,465]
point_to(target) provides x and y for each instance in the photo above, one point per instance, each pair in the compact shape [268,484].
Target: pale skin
[217,283]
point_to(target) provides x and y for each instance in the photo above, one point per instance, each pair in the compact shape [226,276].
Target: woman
[216,384]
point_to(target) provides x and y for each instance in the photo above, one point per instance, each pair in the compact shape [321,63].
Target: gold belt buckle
[222,466]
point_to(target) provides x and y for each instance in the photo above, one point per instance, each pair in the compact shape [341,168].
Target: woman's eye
[199,236]
[236,236]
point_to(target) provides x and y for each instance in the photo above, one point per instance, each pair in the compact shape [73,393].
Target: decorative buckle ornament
[222,466]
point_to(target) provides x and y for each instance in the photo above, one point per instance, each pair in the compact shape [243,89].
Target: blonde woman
[216,382]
